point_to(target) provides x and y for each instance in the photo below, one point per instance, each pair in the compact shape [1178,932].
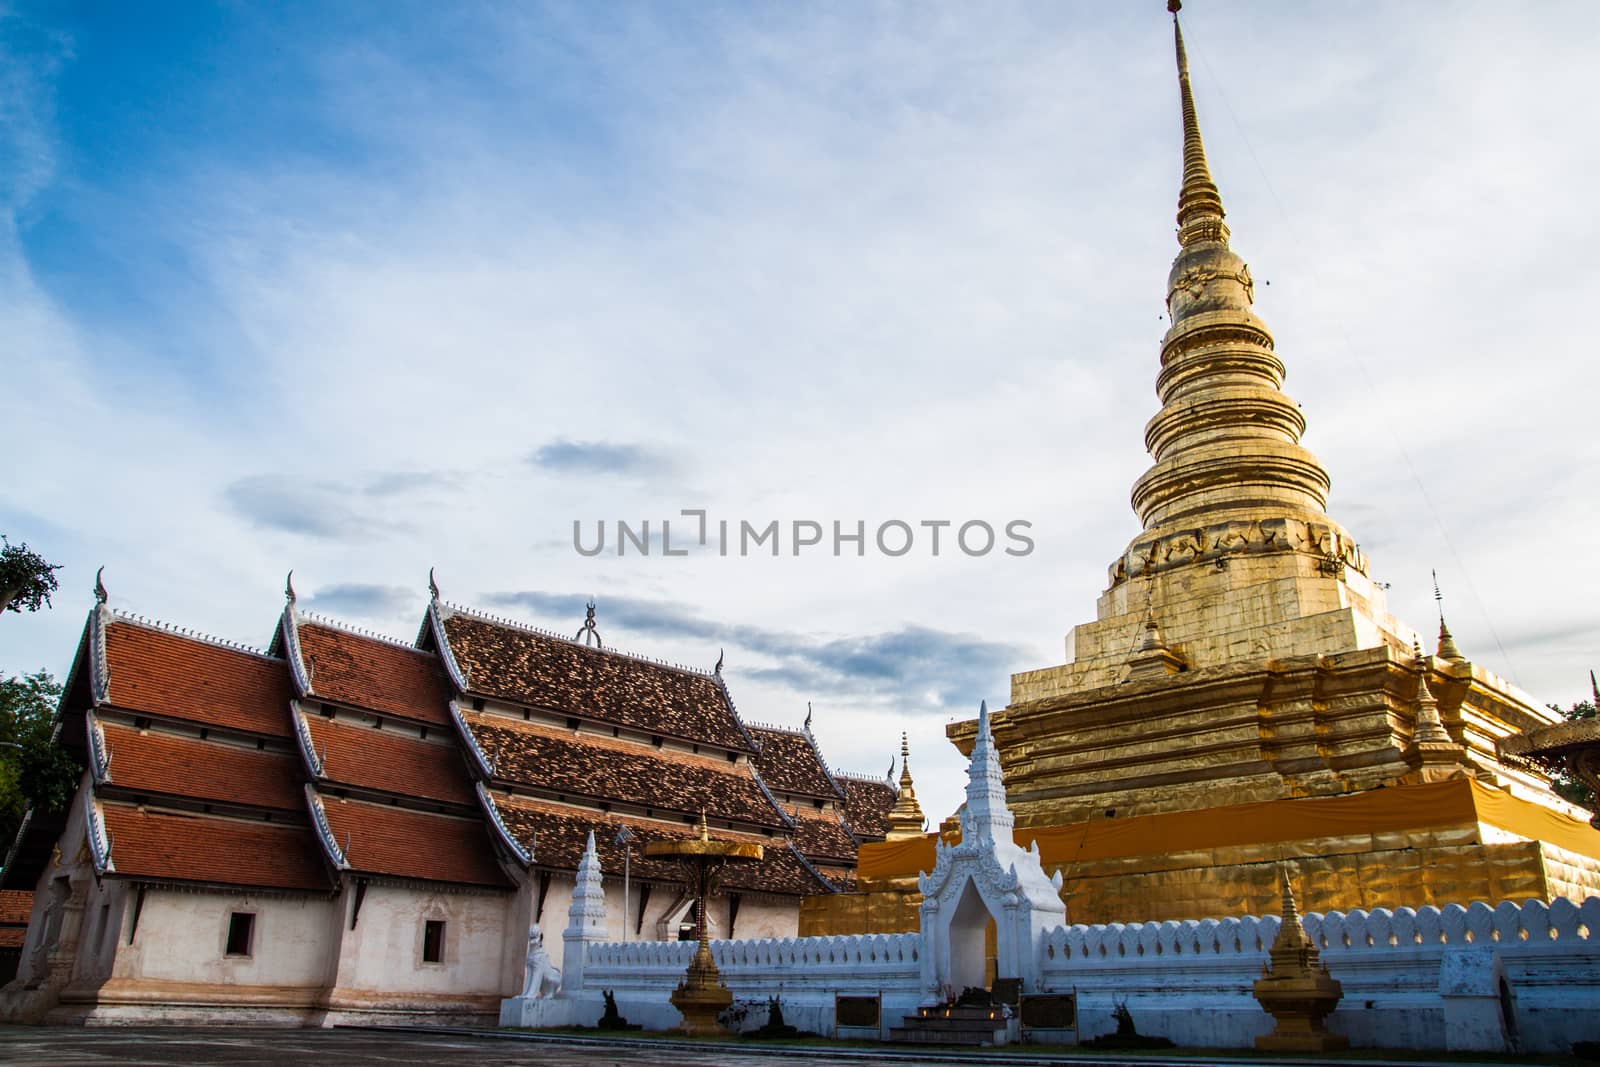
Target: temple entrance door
[970,941]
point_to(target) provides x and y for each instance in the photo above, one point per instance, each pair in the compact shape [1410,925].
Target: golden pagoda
[905,818]
[1243,695]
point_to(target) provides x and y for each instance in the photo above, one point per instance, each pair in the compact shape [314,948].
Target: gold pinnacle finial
[905,818]
[705,829]
[1430,728]
[1447,644]
[1200,211]
[1290,912]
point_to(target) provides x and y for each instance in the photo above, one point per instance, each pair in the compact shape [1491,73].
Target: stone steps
[952,1026]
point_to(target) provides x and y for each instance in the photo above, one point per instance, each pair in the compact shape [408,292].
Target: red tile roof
[209,848]
[524,667]
[366,672]
[788,763]
[867,806]
[160,763]
[157,672]
[556,835]
[387,761]
[403,843]
[16,907]
[596,768]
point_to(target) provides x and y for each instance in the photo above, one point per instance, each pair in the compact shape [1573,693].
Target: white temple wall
[183,937]
[1423,979]
[104,913]
[760,916]
[384,953]
[1427,978]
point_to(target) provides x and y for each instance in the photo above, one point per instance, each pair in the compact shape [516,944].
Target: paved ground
[164,1046]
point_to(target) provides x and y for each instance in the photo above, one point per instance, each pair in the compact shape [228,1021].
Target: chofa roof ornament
[99,586]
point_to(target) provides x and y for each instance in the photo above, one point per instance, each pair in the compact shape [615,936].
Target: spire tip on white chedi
[986,816]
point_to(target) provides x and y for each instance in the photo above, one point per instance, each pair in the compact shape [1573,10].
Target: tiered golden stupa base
[1298,1003]
[701,996]
[1439,843]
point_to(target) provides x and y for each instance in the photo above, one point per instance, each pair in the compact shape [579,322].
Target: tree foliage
[26,578]
[34,770]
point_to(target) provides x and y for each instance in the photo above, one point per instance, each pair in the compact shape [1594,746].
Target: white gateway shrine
[985,878]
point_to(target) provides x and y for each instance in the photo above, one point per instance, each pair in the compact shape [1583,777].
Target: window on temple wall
[241,932]
[433,941]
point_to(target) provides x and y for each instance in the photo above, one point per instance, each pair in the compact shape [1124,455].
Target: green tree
[26,578]
[33,769]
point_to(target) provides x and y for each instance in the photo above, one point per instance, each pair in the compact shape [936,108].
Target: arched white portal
[969,940]
[985,876]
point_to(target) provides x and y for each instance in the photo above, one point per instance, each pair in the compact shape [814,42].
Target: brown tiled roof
[389,762]
[403,843]
[818,835]
[365,672]
[557,834]
[596,768]
[536,669]
[788,763]
[867,806]
[16,907]
[159,763]
[157,672]
[13,936]
[208,848]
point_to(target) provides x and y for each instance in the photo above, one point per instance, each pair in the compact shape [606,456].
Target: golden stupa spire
[1200,211]
[1230,475]
[905,818]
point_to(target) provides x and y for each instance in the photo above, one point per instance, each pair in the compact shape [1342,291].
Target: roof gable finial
[1200,211]
[717,670]
[587,632]
[808,715]
[433,586]
[100,593]
[288,587]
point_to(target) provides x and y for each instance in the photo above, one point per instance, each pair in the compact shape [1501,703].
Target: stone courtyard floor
[161,1046]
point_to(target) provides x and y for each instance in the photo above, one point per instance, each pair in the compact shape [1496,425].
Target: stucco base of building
[124,1002]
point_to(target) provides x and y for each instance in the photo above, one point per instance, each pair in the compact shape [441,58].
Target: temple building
[1243,694]
[348,828]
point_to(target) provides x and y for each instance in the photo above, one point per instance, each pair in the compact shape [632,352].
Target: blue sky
[364,289]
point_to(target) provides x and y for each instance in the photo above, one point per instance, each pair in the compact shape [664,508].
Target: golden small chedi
[701,996]
[1243,694]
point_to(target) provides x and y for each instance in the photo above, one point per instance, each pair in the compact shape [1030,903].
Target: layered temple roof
[386,761]
[791,763]
[596,769]
[867,804]
[185,847]
[525,666]
[489,749]
[152,764]
[169,675]
[364,671]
